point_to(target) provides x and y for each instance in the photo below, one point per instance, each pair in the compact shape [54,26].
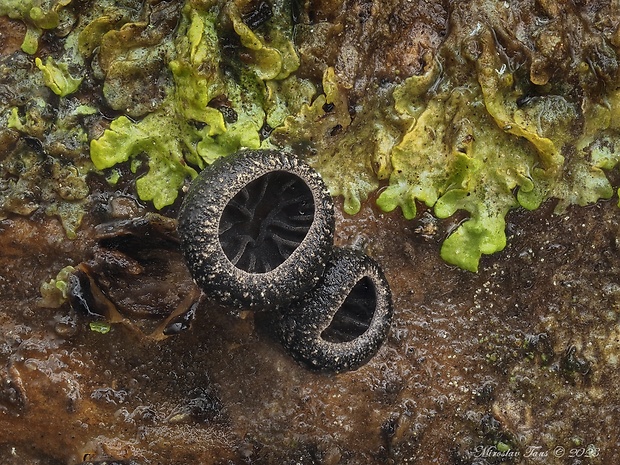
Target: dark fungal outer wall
[522,354]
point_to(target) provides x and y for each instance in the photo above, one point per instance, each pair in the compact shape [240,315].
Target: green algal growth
[52,179]
[454,157]
[38,15]
[55,292]
[207,113]
[476,147]
[125,139]
[13,120]
[57,77]
[100,327]
[502,447]
[477,133]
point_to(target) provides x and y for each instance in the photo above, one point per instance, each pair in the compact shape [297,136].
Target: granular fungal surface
[454,136]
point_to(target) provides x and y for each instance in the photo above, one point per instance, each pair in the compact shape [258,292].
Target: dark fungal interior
[266,221]
[354,315]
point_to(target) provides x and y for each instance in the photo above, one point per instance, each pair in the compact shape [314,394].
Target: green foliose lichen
[215,106]
[57,77]
[44,168]
[101,327]
[38,15]
[479,131]
[55,292]
[481,146]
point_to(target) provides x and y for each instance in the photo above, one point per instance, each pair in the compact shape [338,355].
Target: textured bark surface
[517,363]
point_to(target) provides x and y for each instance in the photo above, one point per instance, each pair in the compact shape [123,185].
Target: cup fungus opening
[266,221]
[355,315]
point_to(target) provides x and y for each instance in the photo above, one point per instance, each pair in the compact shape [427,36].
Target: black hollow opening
[354,315]
[266,221]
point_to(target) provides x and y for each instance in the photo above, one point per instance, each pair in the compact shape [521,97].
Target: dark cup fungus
[256,228]
[341,323]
